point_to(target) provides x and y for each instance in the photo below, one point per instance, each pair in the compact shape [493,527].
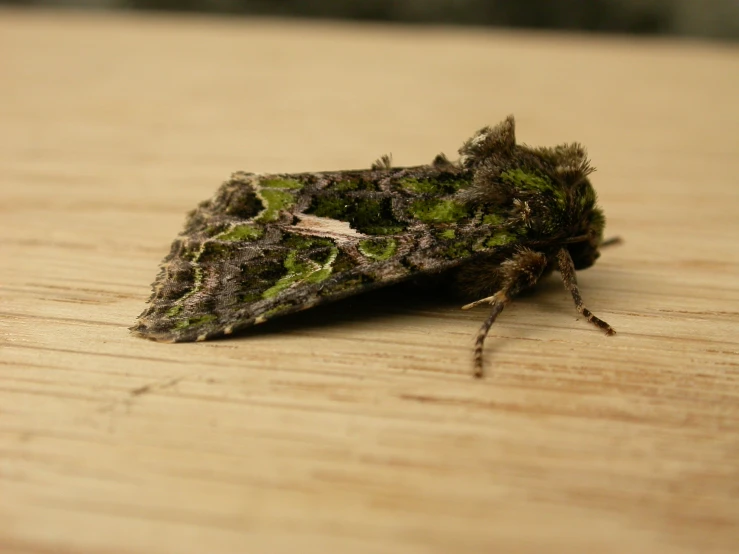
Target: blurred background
[703,18]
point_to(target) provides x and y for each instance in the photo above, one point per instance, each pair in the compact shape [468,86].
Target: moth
[488,225]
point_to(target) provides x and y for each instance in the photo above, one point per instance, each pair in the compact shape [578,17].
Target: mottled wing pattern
[268,245]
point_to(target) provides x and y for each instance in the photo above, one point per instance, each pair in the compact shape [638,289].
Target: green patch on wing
[500,239]
[378,249]
[451,245]
[214,251]
[333,207]
[534,182]
[436,186]
[174,311]
[352,183]
[281,184]
[275,200]
[345,186]
[275,311]
[213,230]
[493,219]
[195,321]
[295,241]
[301,268]
[456,251]
[371,216]
[242,233]
[434,210]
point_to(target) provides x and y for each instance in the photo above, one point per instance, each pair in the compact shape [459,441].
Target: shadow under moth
[489,225]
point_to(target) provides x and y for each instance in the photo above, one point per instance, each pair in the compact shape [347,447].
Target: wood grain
[357,427]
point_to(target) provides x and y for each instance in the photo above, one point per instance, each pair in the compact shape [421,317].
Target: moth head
[571,169]
[589,232]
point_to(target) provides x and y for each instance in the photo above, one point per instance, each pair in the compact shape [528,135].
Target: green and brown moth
[490,224]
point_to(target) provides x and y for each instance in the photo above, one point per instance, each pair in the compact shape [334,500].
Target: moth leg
[567,269]
[488,299]
[498,300]
[522,271]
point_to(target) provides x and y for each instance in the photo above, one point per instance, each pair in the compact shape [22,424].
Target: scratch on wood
[151,387]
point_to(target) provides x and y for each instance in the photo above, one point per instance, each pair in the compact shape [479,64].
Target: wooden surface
[357,428]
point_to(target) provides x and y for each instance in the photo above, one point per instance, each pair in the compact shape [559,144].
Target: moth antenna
[520,272]
[567,269]
[384,162]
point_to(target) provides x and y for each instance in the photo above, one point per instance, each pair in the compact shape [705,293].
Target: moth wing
[215,286]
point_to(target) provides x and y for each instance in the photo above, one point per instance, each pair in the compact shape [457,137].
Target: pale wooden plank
[356,427]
